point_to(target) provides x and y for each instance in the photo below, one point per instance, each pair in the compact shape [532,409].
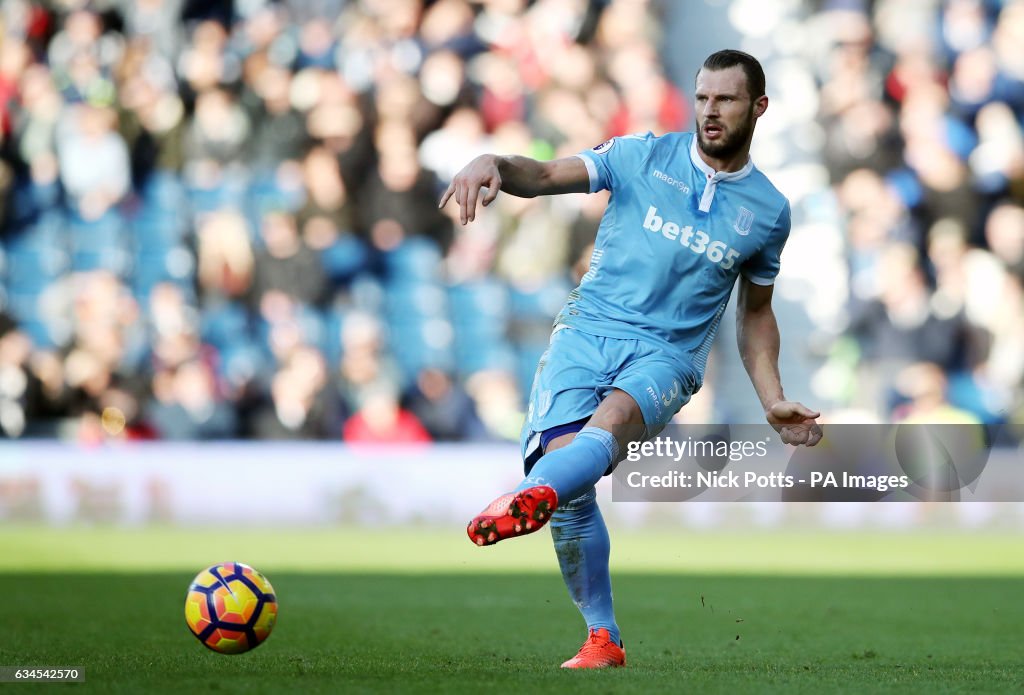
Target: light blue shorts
[579,370]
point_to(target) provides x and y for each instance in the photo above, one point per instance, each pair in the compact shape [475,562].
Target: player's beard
[733,140]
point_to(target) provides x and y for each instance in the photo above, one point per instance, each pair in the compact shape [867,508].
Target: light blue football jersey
[673,240]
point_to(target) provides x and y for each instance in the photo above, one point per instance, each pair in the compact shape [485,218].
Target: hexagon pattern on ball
[231,608]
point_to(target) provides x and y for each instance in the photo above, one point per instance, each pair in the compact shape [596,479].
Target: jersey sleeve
[763,266]
[615,161]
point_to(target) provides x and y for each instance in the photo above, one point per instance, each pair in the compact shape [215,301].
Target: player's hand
[795,422]
[481,173]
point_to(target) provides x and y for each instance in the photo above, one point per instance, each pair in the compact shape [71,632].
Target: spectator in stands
[34,123]
[6,187]
[88,376]
[104,315]
[936,146]
[365,366]
[218,132]
[444,408]
[278,131]
[299,406]
[380,419]
[285,265]
[342,254]
[152,116]
[317,43]
[496,399]
[1001,375]
[132,133]
[118,417]
[902,327]
[326,191]
[460,137]
[206,61]
[923,386]
[1004,234]
[997,163]
[327,219]
[188,406]
[158,23]
[398,199]
[15,58]
[226,261]
[336,118]
[449,25]
[95,167]
[15,352]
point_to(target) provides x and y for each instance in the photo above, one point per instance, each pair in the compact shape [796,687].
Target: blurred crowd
[219,218]
[922,110]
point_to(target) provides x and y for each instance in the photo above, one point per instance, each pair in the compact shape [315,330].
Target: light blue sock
[583,548]
[573,469]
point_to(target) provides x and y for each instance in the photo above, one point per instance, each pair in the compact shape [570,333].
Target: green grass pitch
[398,611]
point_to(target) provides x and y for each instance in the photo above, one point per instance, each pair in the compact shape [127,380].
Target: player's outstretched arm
[757,335]
[520,176]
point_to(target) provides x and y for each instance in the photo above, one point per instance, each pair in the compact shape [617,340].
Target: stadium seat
[39,333]
[264,194]
[480,313]
[48,231]
[367,294]
[242,362]
[31,200]
[24,305]
[100,244]
[476,302]
[345,259]
[174,264]
[224,194]
[421,342]
[164,193]
[154,232]
[224,324]
[31,270]
[541,302]
[330,343]
[308,320]
[416,258]
[410,300]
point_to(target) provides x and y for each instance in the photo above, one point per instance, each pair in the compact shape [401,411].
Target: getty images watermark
[732,463]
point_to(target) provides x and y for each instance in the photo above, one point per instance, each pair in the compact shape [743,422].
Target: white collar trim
[715,177]
[718,175]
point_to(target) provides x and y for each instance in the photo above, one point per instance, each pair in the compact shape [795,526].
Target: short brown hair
[722,60]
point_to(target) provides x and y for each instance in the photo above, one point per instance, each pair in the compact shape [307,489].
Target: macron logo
[675,183]
[696,240]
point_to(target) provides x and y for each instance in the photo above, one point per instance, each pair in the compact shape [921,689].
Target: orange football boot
[514,514]
[598,652]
